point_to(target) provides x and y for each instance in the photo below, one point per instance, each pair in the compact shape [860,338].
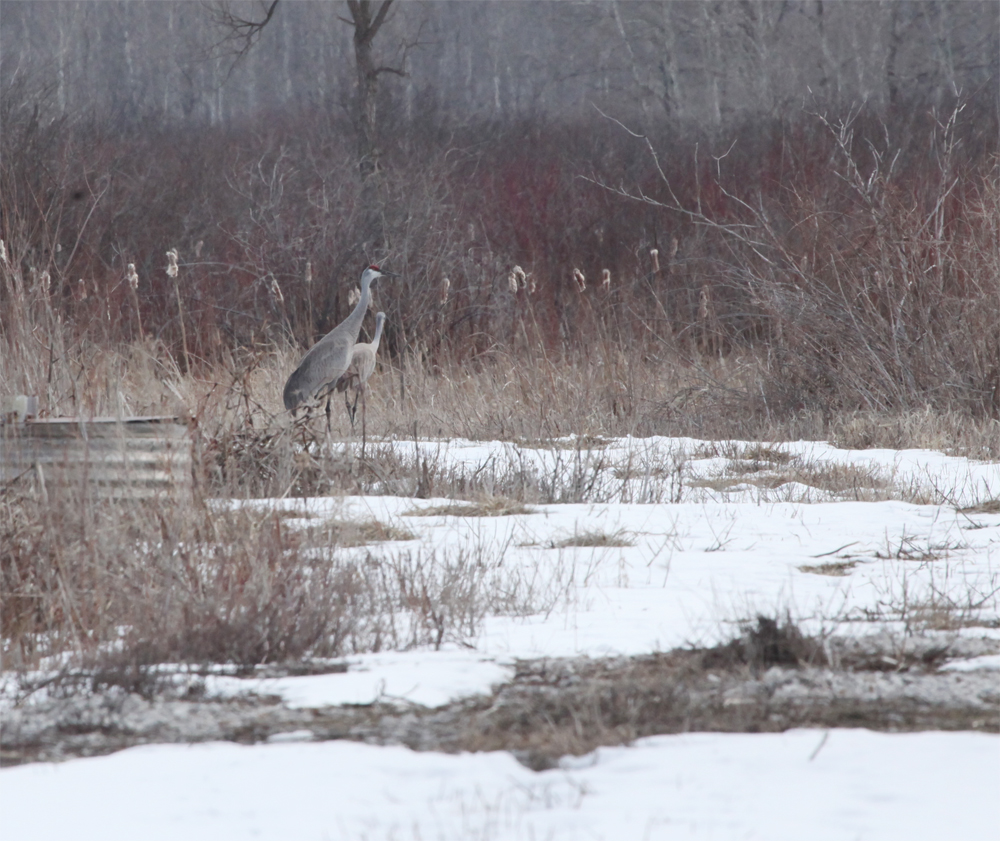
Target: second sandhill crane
[361,368]
[326,362]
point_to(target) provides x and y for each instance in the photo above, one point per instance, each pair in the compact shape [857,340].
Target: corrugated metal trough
[134,458]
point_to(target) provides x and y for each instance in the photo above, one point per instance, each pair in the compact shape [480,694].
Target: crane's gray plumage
[361,368]
[327,360]
[362,359]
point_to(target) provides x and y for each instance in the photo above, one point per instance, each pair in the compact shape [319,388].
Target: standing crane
[361,368]
[328,359]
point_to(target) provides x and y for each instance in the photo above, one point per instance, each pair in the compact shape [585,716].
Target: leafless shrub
[126,586]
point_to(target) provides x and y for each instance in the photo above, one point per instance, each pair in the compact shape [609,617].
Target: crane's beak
[384,273]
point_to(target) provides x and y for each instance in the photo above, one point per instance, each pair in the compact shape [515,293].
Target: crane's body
[328,360]
[362,359]
[361,368]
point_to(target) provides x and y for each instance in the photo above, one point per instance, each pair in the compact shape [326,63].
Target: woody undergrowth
[844,296]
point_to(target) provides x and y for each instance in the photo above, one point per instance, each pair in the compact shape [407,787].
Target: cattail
[606,279]
[172,272]
[674,245]
[353,296]
[130,276]
[445,286]
[581,281]
[309,271]
[655,254]
[46,282]
[532,286]
[803,264]
[276,290]
[517,279]
[197,249]
[58,248]
[82,289]
[3,253]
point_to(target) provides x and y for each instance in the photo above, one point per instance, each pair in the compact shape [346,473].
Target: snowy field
[686,539]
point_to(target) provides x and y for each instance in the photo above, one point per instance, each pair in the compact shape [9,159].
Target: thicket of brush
[811,267]
[819,276]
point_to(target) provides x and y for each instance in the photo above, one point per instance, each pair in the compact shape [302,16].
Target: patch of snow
[428,678]
[841,784]
[989,662]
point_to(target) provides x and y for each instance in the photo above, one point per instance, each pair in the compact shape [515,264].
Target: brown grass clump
[990,506]
[596,539]
[487,507]
[834,568]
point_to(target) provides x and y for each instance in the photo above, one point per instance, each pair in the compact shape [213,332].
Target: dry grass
[834,568]
[856,482]
[350,534]
[875,328]
[596,539]
[130,585]
[989,506]
[498,506]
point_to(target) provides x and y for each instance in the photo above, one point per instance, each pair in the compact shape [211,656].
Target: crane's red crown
[376,268]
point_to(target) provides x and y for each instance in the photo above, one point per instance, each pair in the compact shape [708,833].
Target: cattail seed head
[3,253]
[445,287]
[606,278]
[512,282]
[581,281]
[532,286]
[172,263]
[131,276]
[46,282]
[309,271]
[276,290]
[655,254]
[81,287]
[353,296]
[197,249]
[704,303]
[674,245]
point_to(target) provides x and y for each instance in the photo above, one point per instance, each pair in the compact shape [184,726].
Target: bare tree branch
[239,31]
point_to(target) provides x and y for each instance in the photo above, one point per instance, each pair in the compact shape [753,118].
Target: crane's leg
[364,406]
[328,399]
[351,410]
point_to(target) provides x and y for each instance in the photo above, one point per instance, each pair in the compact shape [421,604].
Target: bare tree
[366,27]
[241,33]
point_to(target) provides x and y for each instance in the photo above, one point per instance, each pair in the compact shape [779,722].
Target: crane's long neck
[357,316]
[378,330]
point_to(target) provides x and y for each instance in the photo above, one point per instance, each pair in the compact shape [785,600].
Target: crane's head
[373,273]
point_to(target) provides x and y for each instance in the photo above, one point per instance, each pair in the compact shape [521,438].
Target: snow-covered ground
[710,534]
[802,784]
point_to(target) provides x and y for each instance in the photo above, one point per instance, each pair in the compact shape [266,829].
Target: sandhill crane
[361,368]
[329,358]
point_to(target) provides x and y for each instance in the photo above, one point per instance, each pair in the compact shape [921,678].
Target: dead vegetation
[487,507]
[768,678]
[127,586]
[596,539]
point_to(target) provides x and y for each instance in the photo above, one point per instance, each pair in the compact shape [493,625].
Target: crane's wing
[319,369]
